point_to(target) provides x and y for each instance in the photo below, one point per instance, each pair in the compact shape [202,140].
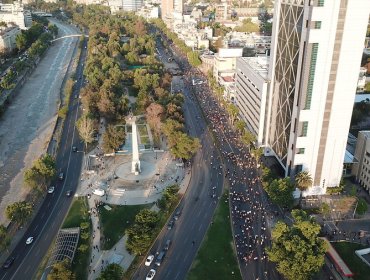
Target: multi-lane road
[197,206]
[47,221]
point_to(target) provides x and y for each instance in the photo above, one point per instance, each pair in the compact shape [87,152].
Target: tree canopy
[112,272]
[61,271]
[303,180]
[280,192]
[297,250]
[42,171]
[19,212]
[113,138]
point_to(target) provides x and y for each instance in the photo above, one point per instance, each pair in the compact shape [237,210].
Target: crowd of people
[249,216]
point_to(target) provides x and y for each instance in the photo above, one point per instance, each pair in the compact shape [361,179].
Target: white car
[150,274]
[29,240]
[149,260]
[51,189]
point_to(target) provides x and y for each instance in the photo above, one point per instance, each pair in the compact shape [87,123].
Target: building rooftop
[259,64]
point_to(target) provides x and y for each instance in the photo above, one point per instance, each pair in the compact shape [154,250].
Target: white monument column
[135,150]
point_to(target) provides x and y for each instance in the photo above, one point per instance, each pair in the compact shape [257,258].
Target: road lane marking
[4,276]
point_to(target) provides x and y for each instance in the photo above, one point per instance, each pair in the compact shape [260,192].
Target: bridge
[69,36]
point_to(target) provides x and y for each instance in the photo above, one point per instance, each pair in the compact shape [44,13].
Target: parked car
[149,260]
[170,224]
[61,176]
[68,193]
[8,262]
[150,274]
[160,258]
[51,189]
[177,214]
[167,245]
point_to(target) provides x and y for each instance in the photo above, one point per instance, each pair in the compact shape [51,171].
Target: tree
[83,248]
[42,171]
[240,126]
[257,153]
[4,238]
[182,145]
[112,272]
[248,26]
[193,58]
[154,114]
[85,127]
[171,126]
[19,212]
[361,206]
[168,197]
[233,112]
[303,180]
[61,271]
[248,138]
[113,138]
[280,192]
[297,250]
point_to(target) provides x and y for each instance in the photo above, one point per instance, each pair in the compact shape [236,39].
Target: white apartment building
[361,79]
[124,5]
[7,38]
[316,52]
[252,86]
[225,62]
[148,11]
[14,13]
[361,167]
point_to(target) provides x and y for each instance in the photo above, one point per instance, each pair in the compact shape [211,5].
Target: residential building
[148,11]
[7,37]
[225,62]
[252,86]
[221,11]
[316,52]
[166,9]
[361,167]
[124,5]
[207,63]
[178,6]
[361,79]
[15,13]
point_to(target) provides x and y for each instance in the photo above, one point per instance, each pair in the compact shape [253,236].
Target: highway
[48,220]
[197,206]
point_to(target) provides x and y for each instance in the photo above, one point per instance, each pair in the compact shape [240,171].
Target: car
[160,258]
[68,193]
[177,214]
[61,176]
[51,189]
[150,274]
[149,260]
[167,245]
[8,262]
[29,240]
[74,149]
[170,224]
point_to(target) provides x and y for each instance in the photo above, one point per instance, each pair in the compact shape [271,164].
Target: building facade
[361,167]
[316,52]
[15,14]
[7,38]
[251,92]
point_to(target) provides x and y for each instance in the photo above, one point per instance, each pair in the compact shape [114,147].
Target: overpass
[69,36]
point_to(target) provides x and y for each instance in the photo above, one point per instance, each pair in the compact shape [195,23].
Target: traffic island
[216,258]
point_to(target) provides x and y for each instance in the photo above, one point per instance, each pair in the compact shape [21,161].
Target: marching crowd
[247,201]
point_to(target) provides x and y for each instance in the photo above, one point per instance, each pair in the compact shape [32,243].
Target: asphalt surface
[48,220]
[197,206]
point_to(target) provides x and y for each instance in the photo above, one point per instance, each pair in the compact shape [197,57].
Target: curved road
[47,222]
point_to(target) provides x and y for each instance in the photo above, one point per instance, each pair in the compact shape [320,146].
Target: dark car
[160,258]
[8,262]
[61,176]
[177,214]
[167,245]
[170,224]
[74,149]
[68,193]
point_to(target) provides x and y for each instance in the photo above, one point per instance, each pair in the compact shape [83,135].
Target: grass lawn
[216,258]
[347,252]
[77,214]
[116,221]
[144,140]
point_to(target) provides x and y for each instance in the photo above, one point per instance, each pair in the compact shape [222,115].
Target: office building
[15,13]
[251,92]
[316,52]
[361,166]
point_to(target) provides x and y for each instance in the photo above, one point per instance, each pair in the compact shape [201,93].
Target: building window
[301,151]
[304,129]
[311,75]
[317,24]
[320,3]
[298,168]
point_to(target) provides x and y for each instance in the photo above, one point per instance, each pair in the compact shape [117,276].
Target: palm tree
[303,180]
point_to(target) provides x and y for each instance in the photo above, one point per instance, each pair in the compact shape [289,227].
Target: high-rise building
[166,9]
[315,57]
